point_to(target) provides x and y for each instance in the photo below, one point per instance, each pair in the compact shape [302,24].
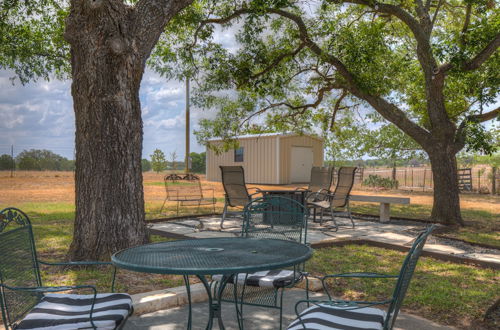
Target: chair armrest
[258,191]
[42,289]
[84,263]
[353,275]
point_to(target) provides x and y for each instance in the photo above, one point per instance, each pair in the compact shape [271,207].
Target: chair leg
[281,309]
[161,209]
[350,215]
[333,218]
[321,217]
[224,212]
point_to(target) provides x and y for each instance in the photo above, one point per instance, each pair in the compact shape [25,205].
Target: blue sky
[40,116]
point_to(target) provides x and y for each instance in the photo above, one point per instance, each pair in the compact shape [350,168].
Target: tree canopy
[302,65]
[349,68]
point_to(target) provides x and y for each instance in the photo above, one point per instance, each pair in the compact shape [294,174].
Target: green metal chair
[268,217]
[341,314]
[26,304]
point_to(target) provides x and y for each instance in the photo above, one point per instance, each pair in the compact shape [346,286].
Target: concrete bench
[385,203]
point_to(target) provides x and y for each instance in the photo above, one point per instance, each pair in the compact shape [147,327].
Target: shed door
[302,162]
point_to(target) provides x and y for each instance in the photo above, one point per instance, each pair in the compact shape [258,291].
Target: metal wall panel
[260,160]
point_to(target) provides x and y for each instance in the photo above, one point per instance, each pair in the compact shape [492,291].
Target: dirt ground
[40,187]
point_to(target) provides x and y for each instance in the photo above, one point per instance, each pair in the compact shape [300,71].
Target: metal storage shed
[272,158]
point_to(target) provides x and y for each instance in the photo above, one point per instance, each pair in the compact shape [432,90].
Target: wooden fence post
[493,180]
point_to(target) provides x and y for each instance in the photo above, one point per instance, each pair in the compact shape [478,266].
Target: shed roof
[263,135]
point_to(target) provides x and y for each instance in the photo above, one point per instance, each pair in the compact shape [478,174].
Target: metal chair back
[183,188]
[233,180]
[321,179]
[18,266]
[344,185]
[277,218]
[405,276]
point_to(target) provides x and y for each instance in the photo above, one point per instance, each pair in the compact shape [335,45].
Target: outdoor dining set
[255,269]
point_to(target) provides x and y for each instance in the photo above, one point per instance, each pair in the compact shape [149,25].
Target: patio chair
[187,191]
[327,201]
[321,180]
[236,192]
[341,314]
[26,304]
[268,217]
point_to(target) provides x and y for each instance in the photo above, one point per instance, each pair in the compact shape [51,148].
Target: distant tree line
[46,160]
[36,160]
[159,162]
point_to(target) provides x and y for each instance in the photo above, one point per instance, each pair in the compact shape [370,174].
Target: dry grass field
[43,187]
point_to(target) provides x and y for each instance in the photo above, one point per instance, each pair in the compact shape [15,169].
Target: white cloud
[40,116]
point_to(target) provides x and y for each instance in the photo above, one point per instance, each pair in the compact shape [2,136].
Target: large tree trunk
[446,207]
[106,74]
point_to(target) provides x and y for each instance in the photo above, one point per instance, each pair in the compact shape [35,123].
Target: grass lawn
[444,292]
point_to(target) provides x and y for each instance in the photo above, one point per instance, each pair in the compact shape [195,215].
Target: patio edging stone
[153,301]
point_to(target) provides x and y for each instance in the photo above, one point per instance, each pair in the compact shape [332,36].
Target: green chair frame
[20,281]
[273,217]
[402,284]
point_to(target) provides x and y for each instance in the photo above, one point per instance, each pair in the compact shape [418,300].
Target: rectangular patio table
[210,256]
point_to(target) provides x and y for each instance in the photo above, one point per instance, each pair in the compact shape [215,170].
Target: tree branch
[278,60]
[336,108]
[434,17]
[478,118]
[301,108]
[468,12]
[478,60]
[149,18]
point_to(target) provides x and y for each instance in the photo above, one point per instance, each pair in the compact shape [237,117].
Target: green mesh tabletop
[210,256]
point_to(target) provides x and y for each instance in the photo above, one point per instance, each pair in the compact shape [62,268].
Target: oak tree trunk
[446,207]
[107,72]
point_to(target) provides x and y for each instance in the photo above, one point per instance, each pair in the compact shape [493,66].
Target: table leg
[188,290]
[214,304]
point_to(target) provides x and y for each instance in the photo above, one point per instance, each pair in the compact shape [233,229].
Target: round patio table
[210,256]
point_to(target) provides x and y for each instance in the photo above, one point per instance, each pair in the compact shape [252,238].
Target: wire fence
[483,179]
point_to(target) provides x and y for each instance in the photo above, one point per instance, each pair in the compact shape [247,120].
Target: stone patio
[255,317]
[396,232]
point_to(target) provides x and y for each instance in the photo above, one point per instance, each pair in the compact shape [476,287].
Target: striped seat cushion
[322,317]
[268,278]
[71,311]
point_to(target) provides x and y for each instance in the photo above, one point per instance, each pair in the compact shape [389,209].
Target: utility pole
[187,126]
[13,162]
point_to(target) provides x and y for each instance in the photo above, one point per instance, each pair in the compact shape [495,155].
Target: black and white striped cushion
[268,278]
[71,311]
[323,317]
